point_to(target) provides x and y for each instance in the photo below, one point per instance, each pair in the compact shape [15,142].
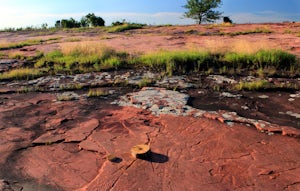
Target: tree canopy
[202,10]
[89,20]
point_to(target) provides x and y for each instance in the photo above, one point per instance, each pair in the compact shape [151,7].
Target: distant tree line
[90,20]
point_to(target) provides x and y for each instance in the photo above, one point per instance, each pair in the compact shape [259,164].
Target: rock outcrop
[84,145]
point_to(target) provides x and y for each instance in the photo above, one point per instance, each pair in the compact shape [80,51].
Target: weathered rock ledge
[161,101]
[52,145]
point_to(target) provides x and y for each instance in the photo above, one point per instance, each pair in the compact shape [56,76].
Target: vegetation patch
[8,46]
[261,85]
[257,85]
[80,58]
[22,74]
[175,61]
[256,31]
[197,61]
[124,27]
[96,93]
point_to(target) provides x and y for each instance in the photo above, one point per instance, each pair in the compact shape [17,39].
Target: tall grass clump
[276,58]
[179,61]
[82,57]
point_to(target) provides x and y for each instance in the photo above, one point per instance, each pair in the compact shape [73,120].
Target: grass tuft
[96,93]
[250,86]
[82,57]
[125,27]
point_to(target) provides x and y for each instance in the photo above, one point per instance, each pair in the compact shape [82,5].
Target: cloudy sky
[22,13]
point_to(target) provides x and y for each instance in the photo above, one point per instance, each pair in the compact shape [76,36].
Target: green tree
[94,21]
[202,10]
[84,22]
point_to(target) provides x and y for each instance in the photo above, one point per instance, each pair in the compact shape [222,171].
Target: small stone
[245,107]
[291,99]
[263,97]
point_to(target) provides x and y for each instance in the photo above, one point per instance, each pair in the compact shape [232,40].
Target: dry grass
[85,48]
[237,46]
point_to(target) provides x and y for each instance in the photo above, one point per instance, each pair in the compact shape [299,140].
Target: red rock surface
[69,151]
[47,145]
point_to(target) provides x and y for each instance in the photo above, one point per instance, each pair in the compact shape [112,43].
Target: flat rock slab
[208,154]
[161,101]
[67,146]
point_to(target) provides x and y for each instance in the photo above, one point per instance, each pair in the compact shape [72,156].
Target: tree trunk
[199,19]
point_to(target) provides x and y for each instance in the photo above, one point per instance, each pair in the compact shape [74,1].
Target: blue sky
[22,13]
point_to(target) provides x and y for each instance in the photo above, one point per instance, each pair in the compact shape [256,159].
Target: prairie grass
[17,55]
[264,85]
[82,57]
[177,60]
[4,45]
[186,61]
[257,85]
[255,31]
[8,45]
[22,73]
[236,45]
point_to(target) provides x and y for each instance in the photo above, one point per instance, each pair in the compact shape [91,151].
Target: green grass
[261,59]
[256,31]
[145,82]
[81,60]
[96,93]
[8,46]
[125,27]
[257,85]
[20,44]
[186,61]
[264,85]
[181,61]
[90,58]
[22,74]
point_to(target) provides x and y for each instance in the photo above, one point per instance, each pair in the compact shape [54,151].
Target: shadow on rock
[116,160]
[155,158]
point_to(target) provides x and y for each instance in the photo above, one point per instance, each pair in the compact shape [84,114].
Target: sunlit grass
[9,45]
[82,57]
[4,45]
[186,61]
[235,45]
[125,27]
[22,73]
[171,61]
